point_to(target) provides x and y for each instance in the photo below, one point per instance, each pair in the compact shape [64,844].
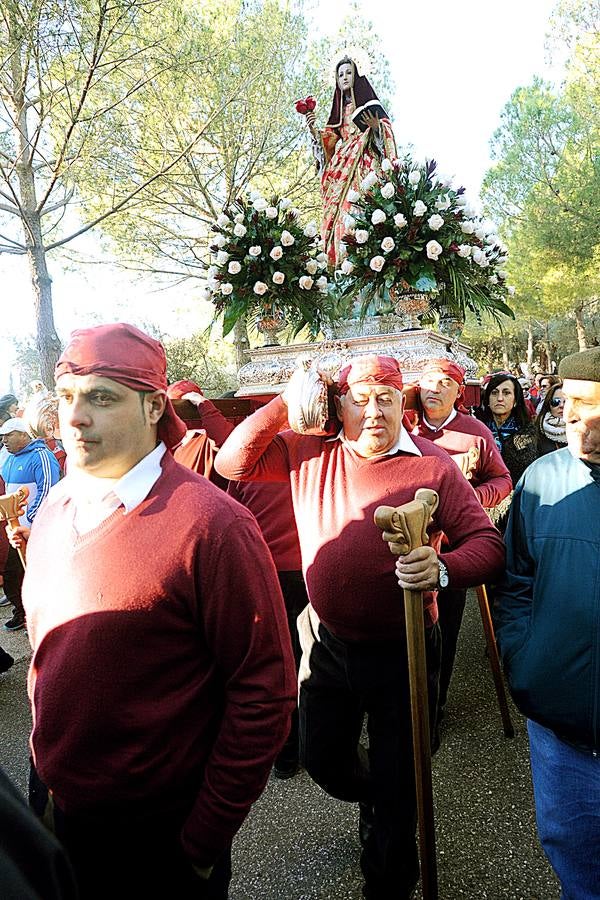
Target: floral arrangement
[410,230]
[264,263]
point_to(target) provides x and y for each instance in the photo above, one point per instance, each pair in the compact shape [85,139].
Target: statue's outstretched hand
[371,121]
[311,119]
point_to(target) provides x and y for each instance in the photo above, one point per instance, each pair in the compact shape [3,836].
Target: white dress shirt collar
[444,423]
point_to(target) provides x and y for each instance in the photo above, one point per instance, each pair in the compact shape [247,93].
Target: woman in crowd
[550,425]
[504,412]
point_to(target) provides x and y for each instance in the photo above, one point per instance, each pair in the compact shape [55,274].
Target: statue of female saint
[345,153]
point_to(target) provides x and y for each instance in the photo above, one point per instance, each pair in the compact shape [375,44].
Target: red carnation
[301,107]
[311,103]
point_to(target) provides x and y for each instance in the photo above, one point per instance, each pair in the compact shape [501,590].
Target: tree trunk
[529,345]
[240,341]
[48,344]
[580,327]
[505,356]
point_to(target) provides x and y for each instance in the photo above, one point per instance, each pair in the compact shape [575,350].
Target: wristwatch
[443,576]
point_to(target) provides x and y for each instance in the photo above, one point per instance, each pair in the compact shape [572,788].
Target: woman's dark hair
[519,410]
[545,408]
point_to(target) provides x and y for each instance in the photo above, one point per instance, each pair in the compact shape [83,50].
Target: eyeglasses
[557,401]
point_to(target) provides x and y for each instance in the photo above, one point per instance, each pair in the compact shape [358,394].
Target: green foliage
[209,363]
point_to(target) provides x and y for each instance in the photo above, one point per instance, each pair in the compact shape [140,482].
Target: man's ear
[339,405]
[155,406]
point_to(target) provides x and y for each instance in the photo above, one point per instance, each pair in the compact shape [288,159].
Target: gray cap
[584,366]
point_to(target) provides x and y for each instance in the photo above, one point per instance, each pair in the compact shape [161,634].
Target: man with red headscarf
[204,435]
[353,631]
[444,421]
[162,677]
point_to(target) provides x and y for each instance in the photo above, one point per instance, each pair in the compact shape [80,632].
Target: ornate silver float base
[268,369]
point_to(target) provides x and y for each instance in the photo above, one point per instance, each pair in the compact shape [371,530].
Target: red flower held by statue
[307,105]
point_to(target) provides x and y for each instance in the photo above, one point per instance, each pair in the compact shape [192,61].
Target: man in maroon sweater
[472,447]
[353,632]
[162,678]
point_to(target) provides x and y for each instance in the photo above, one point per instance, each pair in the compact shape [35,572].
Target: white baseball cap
[14,425]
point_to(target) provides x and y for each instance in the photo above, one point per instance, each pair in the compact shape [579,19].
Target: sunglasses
[557,401]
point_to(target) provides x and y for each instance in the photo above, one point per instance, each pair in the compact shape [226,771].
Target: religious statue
[358,135]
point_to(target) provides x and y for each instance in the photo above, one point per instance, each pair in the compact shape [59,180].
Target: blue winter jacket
[548,615]
[34,467]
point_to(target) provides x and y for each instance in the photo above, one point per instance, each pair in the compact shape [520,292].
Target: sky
[454,65]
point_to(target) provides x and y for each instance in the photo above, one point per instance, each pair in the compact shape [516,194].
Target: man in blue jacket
[29,464]
[549,631]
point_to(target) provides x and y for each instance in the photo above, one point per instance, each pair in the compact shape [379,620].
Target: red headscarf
[371,369]
[179,389]
[126,355]
[448,367]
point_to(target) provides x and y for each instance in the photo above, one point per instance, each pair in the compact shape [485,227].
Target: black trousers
[294,593]
[451,607]
[13,581]
[340,683]
[128,854]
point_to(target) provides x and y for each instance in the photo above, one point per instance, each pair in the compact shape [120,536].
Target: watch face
[443,580]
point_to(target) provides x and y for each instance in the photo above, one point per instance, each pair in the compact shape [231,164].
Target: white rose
[443,203]
[502,273]
[464,250]
[493,279]
[414,178]
[377,263]
[435,222]
[212,271]
[399,220]
[444,180]
[312,266]
[306,282]
[287,239]
[388,190]
[276,253]
[223,221]
[255,251]
[254,195]
[321,282]
[349,222]
[285,203]
[419,209]
[476,255]
[386,165]
[369,181]
[239,230]
[492,240]
[510,290]
[222,257]
[260,288]
[271,212]
[226,289]
[260,204]
[387,244]
[206,292]
[234,267]
[278,277]
[347,267]
[378,217]
[311,230]
[219,240]
[353,196]
[467,227]
[238,218]
[461,200]
[433,249]
[361,236]
[480,233]
[322,260]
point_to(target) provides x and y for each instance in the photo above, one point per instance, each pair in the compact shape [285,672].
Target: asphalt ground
[299,844]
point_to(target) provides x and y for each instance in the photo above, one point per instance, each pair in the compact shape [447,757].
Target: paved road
[299,844]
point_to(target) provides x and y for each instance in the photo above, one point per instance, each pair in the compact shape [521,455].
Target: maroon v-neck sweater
[348,568]
[162,673]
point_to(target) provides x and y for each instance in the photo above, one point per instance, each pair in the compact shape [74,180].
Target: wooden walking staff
[405,528]
[11,507]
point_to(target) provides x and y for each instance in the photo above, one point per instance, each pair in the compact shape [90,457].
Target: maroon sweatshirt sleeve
[254,451]
[217,427]
[496,483]
[246,631]
[477,553]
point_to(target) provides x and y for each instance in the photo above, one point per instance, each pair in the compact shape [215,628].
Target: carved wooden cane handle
[405,527]
[11,507]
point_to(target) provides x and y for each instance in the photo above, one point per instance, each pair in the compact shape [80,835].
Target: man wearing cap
[205,433]
[353,632]
[443,420]
[162,678]
[29,464]
[548,628]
